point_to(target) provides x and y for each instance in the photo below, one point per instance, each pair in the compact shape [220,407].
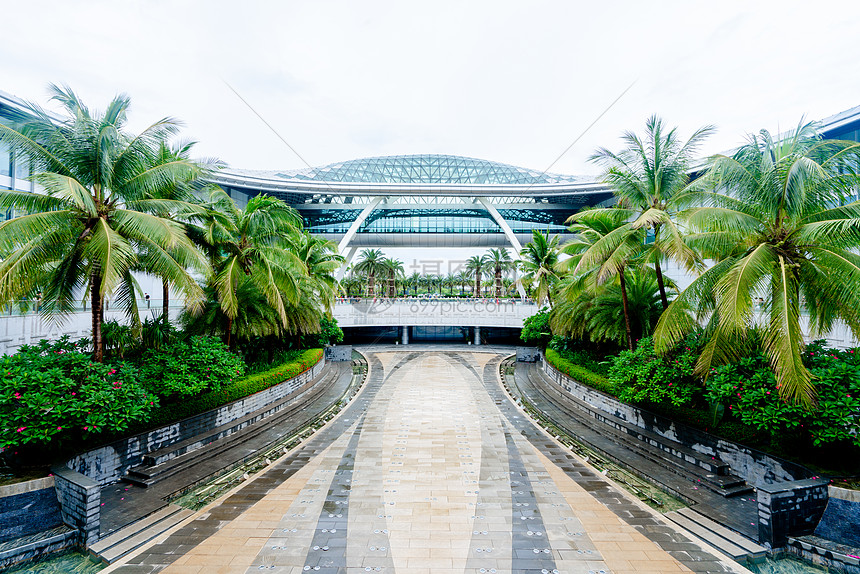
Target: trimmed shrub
[577,372]
[236,390]
[642,376]
[190,367]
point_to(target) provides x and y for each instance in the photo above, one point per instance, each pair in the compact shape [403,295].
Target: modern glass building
[431,200]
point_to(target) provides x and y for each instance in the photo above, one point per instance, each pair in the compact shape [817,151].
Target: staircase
[172,460]
[135,535]
[726,541]
[703,470]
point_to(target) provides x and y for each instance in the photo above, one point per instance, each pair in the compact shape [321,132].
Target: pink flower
[21,429]
[86,428]
[73,394]
[59,428]
[768,392]
[17,395]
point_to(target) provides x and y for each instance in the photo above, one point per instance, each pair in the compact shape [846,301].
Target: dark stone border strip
[655,529]
[161,555]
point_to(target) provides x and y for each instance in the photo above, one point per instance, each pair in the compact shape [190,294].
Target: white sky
[515,82]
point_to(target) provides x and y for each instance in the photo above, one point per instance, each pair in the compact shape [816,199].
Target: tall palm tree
[464,279]
[780,219]
[499,260]
[538,260]
[96,214]
[254,248]
[603,249]
[393,268]
[370,265]
[476,265]
[650,177]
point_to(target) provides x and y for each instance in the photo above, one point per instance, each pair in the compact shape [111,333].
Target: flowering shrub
[643,376]
[749,392]
[189,367]
[53,392]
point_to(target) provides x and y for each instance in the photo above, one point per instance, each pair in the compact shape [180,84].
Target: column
[477,335]
[405,337]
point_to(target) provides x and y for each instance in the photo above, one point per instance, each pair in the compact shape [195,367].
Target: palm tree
[780,220]
[650,177]
[598,315]
[394,270]
[96,213]
[538,260]
[414,282]
[464,279]
[605,246]
[371,265]
[253,248]
[181,190]
[499,260]
[321,260]
[476,265]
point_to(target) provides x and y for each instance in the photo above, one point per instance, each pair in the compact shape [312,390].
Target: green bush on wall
[577,372]
[301,362]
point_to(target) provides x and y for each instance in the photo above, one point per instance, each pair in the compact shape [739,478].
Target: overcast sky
[515,82]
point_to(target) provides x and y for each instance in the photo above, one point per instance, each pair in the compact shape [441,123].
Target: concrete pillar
[405,335]
[477,335]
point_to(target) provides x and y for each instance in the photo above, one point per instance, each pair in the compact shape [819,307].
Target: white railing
[419,312]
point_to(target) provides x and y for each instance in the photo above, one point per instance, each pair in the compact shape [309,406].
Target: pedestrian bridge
[425,312]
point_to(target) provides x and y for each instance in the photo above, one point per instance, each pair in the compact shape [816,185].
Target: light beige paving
[431,491]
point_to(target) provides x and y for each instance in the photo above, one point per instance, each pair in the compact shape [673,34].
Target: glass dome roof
[426,168]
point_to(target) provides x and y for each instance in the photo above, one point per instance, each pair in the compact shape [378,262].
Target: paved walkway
[430,469]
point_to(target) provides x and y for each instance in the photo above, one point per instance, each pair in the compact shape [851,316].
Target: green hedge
[579,373]
[236,390]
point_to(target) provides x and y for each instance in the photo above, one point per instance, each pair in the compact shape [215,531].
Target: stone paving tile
[430,469]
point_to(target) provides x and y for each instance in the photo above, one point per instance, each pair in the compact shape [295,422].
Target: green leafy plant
[642,376]
[190,367]
[749,391]
[577,372]
[536,330]
[53,392]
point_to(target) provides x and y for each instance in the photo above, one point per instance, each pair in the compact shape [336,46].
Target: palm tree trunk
[498,282]
[96,302]
[477,284]
[371,292]
[165,300]
[627,327]
[229,330]
[660,284]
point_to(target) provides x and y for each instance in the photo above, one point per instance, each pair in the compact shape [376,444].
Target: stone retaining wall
[754,466]
[789,509]
[107,464]
[80,500]
[28,507]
